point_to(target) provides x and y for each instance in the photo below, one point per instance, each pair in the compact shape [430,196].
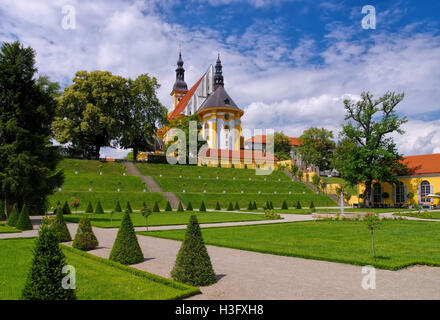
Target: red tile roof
[240,154]
[182,104]
[262,139]
[423,164]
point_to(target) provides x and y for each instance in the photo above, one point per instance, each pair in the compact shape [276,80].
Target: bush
[126,249]
[98,208]
[128,208]
[85,239]
[284,206]
[189,207]
[230,206]
[270,214]
[24,222]
[44,281]
[202,207]
[298,205]
[250,206]
[193,265]
[89,208]
[13,216]
[118,207]
[312,205]
[180,207]
[66,208]
[217,206]
[2,211]
[156,207]
[60,227]
[168,207]
[237,206]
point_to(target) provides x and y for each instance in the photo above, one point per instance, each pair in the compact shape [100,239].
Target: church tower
[180,88]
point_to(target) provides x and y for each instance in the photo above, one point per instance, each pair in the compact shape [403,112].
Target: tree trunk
[97,150]
[367,193]
[135,153]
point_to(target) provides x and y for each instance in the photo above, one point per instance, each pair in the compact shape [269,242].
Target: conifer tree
[85,239]
[193,265]
[237,206]
[44,281]
[99,208]
[202,207]
[271,205]
[230,206]
[255,206]
[13,216]
[89,208]
[217,206]
[2,211]
[312,205]
[128,208]
[298,205]
[284,206]
[180,207]
[168,206]
[118,207]
[126,249]
[66,208]
[60,227]
[156,207]
[250,206]
[267,204]
[189,207]
[24,222]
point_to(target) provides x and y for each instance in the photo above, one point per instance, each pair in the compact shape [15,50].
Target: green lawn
[422,215]
[97,278]
[191,183]
[336,210]
[4,228]
[166,218]
[398,243]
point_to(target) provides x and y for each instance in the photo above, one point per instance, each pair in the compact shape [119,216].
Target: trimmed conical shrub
[180,207]
[168,207]
[24,222]
[271,205]
[193,265]
[255,206]
[298,205]
[128,208]
[217,206]
[89,208]
[202,207]
[126,249]
[189,207]
[85,239]
[66,208]
[250,206]
[44,281]
[118,207]
[2,211]
[267,204]
[13,216]
[60,227]
[312,205]
[237,206]
[284,206]
[99,208]
[230,206]
[156,207]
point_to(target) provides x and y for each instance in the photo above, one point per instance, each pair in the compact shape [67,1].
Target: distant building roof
[262,139]
[423,164]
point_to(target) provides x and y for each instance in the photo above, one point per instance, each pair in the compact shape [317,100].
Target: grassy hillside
[209,184]
[104,179]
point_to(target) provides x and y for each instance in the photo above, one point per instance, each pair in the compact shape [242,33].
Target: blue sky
[288,64]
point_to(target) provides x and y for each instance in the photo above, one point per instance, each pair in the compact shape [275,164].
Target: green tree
[156,206]
[118,207]
[368,152]
[13,216]
[141,114]
[312,205]
[60,227]
[316,181]
[217,206]
[28,170]
[237,206]
[85,239]
[66,208]
[230,206]
[298,205]
[128,208]
[126,249]
[202,207]
[250,206]
[24,222]
[317,147]
[89,208]
[255,206]
[168,207]
[99,208]
[180,207]
[284,206]
[44,281]
[189,207]
[294,170]
[282,146]
[2,211]
[193,265]
[372,222]
[146,212]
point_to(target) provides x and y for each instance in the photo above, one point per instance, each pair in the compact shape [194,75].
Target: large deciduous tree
[27,107]
[282,146]
[317,147]
[367,152]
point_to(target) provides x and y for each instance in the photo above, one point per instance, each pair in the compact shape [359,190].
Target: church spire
[218,76]
[180,84]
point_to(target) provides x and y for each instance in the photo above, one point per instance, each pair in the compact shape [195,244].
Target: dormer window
[227,101]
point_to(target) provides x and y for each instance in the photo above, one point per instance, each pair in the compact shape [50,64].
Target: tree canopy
[281,146]
[317,147]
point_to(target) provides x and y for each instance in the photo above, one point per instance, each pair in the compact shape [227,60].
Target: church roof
[219,98]
[182,104]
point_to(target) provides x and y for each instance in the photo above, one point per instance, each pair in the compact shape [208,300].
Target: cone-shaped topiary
[24,222]
[66,208]
[2,211]
[217,206]
[230,206]
[202,207]
[126,248]
[284,206]
[189,207]
[237,206]
[44,281]
[60,227]
[89,208]
[193,265]
[255,206]
[128,208]
[156,207]
[271,205]
[118,207]
[312,205]
[85,239]
[98,208]
[180,207]
[168,207]
[267,204]
[298,205]
[13,216]
[250,206]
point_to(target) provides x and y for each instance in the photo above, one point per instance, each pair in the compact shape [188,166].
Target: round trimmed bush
[24,222]
[85,239]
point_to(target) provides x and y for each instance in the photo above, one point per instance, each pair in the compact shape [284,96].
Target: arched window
[400,193]
[377,193]
[425,189]
[206,131]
